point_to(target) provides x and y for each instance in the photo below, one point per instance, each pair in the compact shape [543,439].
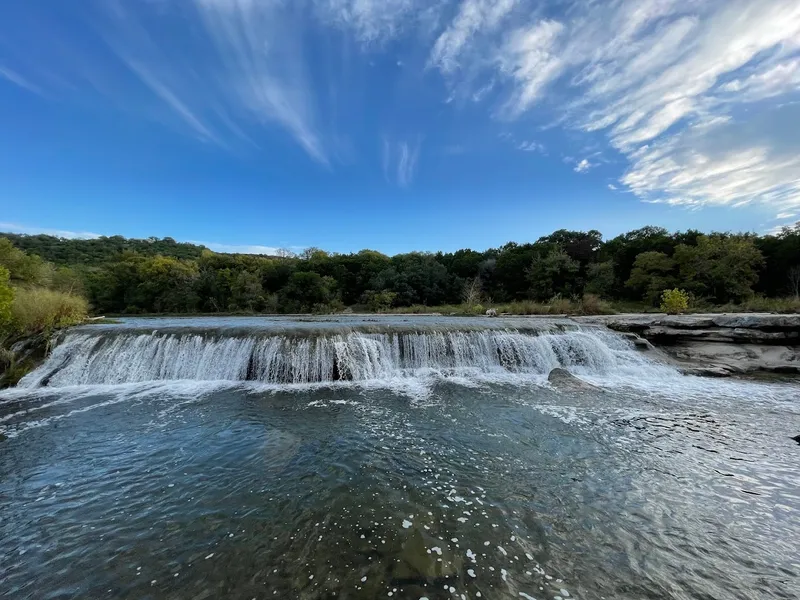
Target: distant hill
[100,250]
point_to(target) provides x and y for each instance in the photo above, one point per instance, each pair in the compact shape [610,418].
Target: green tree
[166,285]
[508,277]
[652,273]
[624,249]
[781,253]
[247,292]
[720,267]
[308,292]
[24,268]
[380,301]
[601,280]
[553,274]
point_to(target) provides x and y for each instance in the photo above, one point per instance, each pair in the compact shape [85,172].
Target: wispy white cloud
[399,159]
[612,187]
[375,22]
[666,82]
[766,83]
[220,70]
[674,86]
[19,80]
[473,17]
[61,233]
[531,146]
[530,59]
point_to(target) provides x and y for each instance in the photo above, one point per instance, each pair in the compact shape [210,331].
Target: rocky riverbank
[715,344]
[21,357]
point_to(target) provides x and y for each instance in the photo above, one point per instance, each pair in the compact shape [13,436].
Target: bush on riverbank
[6,298]
[761,304]
[39,310]
[36,299]
[674,302]
[589,304]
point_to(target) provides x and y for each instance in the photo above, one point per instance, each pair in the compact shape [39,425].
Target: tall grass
[760,304]
[39,310]
[589,304]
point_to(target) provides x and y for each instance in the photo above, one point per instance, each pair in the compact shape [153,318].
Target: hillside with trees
[122,276]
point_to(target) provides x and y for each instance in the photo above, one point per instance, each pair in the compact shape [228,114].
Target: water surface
[470,480]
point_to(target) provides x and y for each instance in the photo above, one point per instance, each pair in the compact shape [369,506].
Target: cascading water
[96,358]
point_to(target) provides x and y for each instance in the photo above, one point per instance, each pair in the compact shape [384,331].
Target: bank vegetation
[572,272]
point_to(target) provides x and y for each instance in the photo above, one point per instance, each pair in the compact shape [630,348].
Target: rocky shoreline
[714,344]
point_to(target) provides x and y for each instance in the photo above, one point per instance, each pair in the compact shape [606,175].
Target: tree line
[122,276]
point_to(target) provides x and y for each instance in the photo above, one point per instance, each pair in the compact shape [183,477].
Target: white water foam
[503,356]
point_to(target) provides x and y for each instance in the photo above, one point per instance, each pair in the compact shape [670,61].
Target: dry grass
[761,304]
[37,310]
[589,304]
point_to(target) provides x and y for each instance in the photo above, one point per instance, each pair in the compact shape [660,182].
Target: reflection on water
[486,490]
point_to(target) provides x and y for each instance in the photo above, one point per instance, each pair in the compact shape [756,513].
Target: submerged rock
[425,560]
[563,379]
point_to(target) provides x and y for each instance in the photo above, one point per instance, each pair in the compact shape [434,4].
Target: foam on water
[88,359]
[408,363]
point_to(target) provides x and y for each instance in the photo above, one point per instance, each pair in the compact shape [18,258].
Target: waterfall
[123,357]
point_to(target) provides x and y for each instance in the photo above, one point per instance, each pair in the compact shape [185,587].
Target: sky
[397,125]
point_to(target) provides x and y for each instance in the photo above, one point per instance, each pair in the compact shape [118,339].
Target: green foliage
[309,292]
[39,310]
[553,274]
[380,301]
[23,268]
[566,271]
[6,299]
[652,273]
[723,268]
[100,250]
[601,280]
[674,302]
[247,293]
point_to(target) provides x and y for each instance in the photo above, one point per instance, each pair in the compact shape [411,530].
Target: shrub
[674,302]
[560,306]
[380,301]
[39,310]
[592,304]
[761,304]
[6,298]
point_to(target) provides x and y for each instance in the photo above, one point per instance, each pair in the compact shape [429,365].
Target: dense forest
[122,276]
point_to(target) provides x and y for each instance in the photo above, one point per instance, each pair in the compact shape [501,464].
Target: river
[405,457]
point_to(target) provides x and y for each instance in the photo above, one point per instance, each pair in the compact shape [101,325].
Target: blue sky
[396,124]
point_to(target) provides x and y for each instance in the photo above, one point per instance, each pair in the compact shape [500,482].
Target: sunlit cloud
[662,80]
[699,98]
